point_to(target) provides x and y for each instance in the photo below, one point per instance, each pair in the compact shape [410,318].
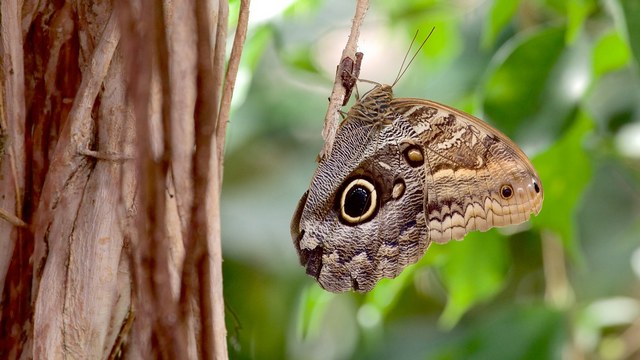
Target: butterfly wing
[475,177]
[345,246]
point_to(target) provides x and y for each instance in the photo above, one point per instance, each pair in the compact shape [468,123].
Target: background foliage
[559,77]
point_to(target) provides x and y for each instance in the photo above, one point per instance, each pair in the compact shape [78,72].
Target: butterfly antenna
[406,55]
[403,69]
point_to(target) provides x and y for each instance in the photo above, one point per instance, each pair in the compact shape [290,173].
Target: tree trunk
[112,121]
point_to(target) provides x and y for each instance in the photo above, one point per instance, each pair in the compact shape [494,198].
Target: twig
[78,128]
[332,118]
[630,339]
[14,84]
[155,302]
[201,277]
[92,78]
[105,155]
[213,327]
[558,291]
[230,79]
[12,163]
[12,218]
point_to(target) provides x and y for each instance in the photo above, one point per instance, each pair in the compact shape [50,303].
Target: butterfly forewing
[468,166]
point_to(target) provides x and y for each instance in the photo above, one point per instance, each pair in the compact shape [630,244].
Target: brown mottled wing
[467,165]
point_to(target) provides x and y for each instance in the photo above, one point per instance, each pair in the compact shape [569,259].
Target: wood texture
[105,140]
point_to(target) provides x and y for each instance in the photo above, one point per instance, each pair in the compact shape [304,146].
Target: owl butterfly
[403,173]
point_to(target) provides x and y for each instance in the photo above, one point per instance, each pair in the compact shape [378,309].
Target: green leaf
[515,87]
[501,13]
[301,58]
[631,11]
[610,53]
[530,332]
[565,170]
[386,294]
[474,271]
[254,47]
[577,13]
[311,310]
[301,8]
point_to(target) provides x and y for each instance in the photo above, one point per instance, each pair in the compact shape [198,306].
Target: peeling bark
[99,172]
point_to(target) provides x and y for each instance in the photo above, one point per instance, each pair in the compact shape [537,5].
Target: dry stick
[197,263]
[332,119]
[62,173]
[12,218]
[162,291]
[162,47]
[155,304]
[210,267]
[230,79]
[65,160]
[630,340]
[217,298]
[219,329]
[11,38]
[92,78]
[558,291]
[15,220]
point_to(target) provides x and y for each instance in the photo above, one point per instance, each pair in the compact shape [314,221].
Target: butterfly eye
[536,187]
[398,189]
[506,191]
[413,156]
[358,201]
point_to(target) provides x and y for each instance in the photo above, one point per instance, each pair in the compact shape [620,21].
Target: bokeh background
[561,78]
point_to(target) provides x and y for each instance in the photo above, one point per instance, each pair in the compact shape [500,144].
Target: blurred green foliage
[562,78]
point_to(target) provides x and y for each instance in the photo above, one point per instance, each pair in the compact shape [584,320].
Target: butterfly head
[374,105]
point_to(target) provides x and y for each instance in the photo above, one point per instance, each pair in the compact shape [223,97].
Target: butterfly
[403,173]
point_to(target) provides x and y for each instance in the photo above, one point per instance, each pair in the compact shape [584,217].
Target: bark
[104,252]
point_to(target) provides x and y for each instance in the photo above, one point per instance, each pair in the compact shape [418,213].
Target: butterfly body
[404,173]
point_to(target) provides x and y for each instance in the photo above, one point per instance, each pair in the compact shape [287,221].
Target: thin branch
[630,339]
[332,118]
[230,79]
[92,78]
[213,328]
[162,48]
[12,218]
[198,279]
[14,171]
[12,80]
[154,302]
[558,291]
[78,129]
[106,155]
